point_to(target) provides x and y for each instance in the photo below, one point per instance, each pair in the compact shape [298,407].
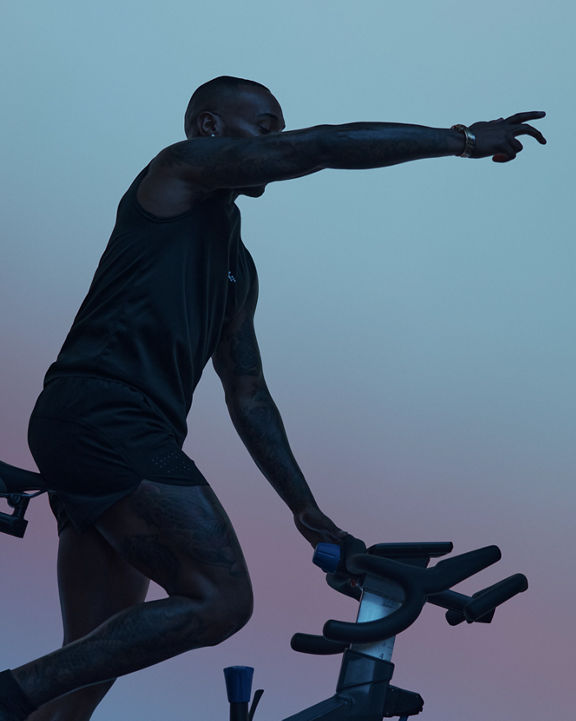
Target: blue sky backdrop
[415,322]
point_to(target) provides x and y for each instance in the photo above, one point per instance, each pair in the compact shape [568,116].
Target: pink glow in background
[415,323]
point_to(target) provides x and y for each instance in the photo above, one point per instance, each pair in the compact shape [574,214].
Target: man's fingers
[502,158]
[529,130]
[512,146]
[523,117]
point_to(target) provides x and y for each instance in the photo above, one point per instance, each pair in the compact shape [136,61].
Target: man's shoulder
[163,193]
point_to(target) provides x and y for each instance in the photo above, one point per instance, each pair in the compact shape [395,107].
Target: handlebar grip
[318,645]
[333,557]
[487,600]
[447,573]
[328,557]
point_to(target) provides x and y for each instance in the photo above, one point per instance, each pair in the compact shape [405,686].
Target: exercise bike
[392,581]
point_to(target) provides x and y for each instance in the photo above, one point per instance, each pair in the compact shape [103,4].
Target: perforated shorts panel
[94,440]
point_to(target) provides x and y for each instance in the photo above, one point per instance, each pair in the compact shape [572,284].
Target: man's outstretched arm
[225,162]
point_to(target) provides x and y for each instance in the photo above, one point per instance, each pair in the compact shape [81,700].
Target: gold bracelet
[470,139]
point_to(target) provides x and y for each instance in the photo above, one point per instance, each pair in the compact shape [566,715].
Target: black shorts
[94,440]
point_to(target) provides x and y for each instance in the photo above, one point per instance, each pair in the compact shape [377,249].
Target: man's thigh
[181,538]
[94,581]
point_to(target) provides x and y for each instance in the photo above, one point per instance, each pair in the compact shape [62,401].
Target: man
[174,288]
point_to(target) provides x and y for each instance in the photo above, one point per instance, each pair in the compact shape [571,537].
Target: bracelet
[470,139]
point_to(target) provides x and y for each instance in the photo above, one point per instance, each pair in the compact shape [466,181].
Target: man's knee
[230,610]
[209,622]
[244,607]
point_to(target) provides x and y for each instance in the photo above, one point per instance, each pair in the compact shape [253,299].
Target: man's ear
[208,124]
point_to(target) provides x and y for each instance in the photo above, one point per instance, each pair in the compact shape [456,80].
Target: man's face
[251,113]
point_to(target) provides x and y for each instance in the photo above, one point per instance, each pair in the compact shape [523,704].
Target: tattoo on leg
[133,639]
[204,535]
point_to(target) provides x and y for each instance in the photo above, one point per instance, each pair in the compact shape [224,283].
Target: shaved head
[214,95]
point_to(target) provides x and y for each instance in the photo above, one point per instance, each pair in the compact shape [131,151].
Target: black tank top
[159,297]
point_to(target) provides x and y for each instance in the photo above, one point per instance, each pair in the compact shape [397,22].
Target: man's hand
[498,137]
[317,528]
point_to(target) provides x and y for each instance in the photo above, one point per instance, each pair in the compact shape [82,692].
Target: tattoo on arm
[244,353]
[237,357]
[259,424]
[227,162]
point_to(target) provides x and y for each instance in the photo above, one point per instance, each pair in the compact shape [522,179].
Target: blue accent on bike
[327,557]
[239,683]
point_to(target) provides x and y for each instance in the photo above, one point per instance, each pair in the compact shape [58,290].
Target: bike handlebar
[416,582]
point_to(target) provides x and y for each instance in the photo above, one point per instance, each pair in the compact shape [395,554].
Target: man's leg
[181,538]
[94,583]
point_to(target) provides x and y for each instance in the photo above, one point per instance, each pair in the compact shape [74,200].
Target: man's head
[233,107]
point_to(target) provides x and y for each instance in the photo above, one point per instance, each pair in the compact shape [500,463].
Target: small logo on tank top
[231,278]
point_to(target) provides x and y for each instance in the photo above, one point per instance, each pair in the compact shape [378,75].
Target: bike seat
[18,480]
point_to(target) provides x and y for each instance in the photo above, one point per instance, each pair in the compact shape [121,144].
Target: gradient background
[415,322]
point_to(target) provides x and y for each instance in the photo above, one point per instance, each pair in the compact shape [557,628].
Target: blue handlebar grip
[327,557]
[239,683]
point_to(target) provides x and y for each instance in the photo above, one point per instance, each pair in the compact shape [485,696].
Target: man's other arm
[253,412]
